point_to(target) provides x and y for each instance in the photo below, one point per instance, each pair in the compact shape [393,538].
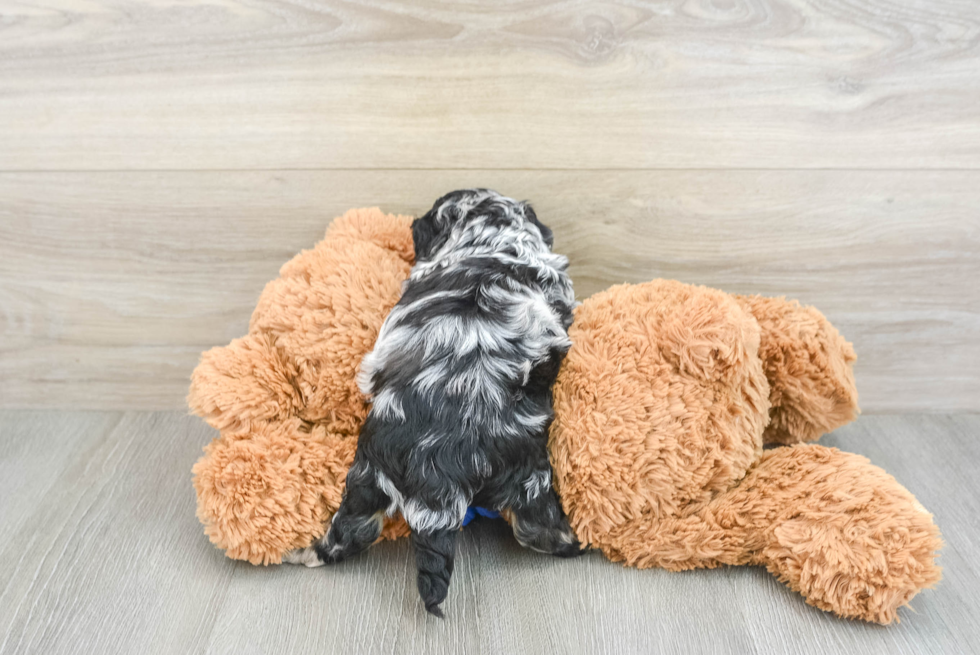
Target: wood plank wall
[159,160]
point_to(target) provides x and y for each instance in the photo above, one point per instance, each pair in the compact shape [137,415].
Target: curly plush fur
[662,463]
[662,407]
[285,397]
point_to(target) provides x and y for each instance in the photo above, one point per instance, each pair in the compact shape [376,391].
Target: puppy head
[471,215]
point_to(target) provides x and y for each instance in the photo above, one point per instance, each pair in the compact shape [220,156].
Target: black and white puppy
[460,378]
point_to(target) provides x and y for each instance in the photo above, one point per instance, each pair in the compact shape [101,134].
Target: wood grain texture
[111,284]
[266,84]
[111,559]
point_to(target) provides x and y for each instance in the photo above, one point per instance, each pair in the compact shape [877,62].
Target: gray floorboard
[102,553]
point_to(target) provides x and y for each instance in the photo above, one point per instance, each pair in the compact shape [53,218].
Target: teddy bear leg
[265,491]
[837,529]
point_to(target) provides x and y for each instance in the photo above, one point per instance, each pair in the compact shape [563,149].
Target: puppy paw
[305,556]
[573,549]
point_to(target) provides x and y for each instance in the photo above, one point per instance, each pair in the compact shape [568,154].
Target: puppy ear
[546,233]
[424,236]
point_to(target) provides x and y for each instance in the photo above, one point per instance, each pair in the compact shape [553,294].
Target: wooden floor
[100,553]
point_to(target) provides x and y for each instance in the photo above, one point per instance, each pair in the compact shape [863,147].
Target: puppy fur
[460,378]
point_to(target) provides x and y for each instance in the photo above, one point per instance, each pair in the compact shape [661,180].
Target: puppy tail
[435,553]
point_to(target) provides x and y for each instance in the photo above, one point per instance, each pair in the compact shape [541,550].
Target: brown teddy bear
[662,408]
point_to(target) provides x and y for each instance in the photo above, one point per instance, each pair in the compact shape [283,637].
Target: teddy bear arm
[809,366]
[246,381]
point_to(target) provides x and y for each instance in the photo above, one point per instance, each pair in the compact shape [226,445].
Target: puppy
[460,378]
